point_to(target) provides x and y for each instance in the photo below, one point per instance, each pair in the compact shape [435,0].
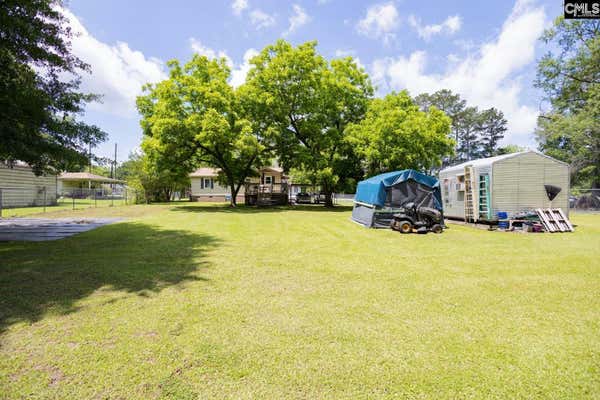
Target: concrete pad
[41,229]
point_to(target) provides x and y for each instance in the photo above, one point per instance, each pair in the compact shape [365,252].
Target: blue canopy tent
[378,198]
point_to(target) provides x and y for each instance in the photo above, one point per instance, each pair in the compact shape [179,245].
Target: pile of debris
[551,220]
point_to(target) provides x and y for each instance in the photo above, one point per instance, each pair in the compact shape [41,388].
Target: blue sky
[484,50]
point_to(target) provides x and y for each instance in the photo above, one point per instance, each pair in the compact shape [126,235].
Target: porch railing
[256,188]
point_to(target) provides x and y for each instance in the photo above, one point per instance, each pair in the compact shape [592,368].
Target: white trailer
[513,183]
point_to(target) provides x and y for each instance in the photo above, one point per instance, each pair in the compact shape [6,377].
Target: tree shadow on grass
[133,257]
[243,209]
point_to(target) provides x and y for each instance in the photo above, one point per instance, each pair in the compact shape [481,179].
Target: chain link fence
[15,202]
[585,200]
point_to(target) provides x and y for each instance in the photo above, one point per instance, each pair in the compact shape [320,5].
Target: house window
[268,179]
[207,183]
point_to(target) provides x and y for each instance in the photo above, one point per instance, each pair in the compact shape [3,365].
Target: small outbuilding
[514,183]
[378,198]
[20,187]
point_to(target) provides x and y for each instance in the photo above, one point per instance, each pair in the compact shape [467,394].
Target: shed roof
[86,176]
[483,162]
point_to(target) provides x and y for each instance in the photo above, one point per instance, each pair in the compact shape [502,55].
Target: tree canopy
[38,107]
[308,102]
[396,134]
[194,117]
[570,78]
[476,133]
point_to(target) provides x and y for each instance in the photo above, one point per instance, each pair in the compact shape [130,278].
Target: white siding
[453,207]
[21,188]
[198,190]
[518,183]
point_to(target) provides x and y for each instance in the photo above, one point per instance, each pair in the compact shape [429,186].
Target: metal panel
[22,188]
[518,183]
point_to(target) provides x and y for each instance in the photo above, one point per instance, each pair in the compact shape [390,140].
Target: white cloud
[297,19]
[238,6]
[340,53]
[239,72]
[118,72]
[451,25]
[261,19]
[198,47]
[381,21]
[487,78]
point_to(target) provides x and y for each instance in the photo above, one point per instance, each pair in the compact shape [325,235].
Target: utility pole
[115,162]
[114,174]
[90,166]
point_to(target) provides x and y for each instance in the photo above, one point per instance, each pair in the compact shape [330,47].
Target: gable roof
[272,169]
[204,171]
[213,172]
[482,162]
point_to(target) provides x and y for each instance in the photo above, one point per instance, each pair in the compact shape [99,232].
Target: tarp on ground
[379,197]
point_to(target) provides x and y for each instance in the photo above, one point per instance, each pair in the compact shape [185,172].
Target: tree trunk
[234,192]
[328,196]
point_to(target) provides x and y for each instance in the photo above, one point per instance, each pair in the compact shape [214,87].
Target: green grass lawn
[188,301]
[63,204]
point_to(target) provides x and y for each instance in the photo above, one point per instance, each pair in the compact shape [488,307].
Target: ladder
[484,199]
[554,220]
[471,201]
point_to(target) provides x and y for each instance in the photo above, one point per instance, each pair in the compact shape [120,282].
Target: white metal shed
[20,187]
[512,183]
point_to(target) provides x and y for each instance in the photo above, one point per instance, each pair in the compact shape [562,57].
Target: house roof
[481,162]
[201,172]
[86,176]
[272,169]
[212,172]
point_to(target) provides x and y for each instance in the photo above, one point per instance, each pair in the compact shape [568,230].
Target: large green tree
[308,102]
[38,105]
[396,134]
[468,126]
[476,133]
[570,78]
[448,102]
[491,127]
[194,118]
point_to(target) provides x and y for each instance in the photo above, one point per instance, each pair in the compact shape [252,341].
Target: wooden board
[554,220]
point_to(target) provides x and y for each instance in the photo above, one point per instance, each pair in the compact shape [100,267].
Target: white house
[512,183]
[205,186]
